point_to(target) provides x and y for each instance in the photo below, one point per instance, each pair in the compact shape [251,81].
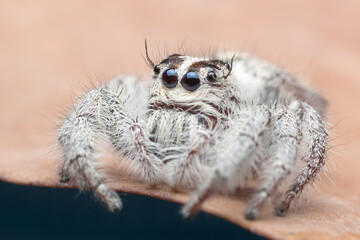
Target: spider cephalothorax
[192,84]
[205,124]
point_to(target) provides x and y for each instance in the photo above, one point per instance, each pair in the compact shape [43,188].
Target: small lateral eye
[227,66]
[211,76]
[190,81]
[157,69]
[169,78]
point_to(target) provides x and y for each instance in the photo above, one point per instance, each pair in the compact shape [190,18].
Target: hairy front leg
[186,166]
[103,112]
[78,138]
[316,136]
[233,158]
[285,139]
[132,140]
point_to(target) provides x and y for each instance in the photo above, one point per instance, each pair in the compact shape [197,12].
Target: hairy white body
[203,124]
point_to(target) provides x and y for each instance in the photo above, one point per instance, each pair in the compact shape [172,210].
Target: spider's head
[190,83]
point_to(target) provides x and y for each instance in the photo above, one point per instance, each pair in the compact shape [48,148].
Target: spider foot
[190,210]
[194,204]
[110,198]
[280,211]
[64,177]
[251,213]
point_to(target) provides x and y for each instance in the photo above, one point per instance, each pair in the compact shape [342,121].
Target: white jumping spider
[203,124]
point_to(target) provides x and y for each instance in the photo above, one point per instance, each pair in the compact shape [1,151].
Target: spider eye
[227,66]
[157,69]
[211,76]
[169,78]
[190,81]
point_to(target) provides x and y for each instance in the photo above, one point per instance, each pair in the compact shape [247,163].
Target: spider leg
[127,130]
[286,137]
[274,82]
[102,112]
[245,134]
[316,137]
[191,159]
[288,84]
[77,138]
[134,143]
[188,168]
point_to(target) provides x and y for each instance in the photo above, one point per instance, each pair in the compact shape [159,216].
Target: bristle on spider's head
[148,59]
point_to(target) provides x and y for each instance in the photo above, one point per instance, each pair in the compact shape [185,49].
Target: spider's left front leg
[285,139]
[316,137]
[185,161]
[234,155]
[128,133]
[299,122]
[188,168]
[135,144]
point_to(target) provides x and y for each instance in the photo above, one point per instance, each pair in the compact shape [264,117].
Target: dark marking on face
[197,65]
[174,61]
[205,64]
[175,55]
[218,62]
[202,121]
[153,133]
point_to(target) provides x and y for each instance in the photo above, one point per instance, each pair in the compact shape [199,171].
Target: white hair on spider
[206,124]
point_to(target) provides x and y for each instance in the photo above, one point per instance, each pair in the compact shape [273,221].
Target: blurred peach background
[48,49]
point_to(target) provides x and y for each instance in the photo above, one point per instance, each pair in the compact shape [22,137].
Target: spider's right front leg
[103,112]
[78,139]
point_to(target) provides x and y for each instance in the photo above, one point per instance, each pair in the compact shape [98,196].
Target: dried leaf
[323,35]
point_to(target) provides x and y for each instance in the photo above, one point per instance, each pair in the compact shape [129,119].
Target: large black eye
[169,78]
[190,81]
[227,66]
[211,76]
[157,69]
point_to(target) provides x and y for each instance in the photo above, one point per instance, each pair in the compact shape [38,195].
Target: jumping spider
[205,124]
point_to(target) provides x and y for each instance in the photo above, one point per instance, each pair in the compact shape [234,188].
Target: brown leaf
[42,50]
